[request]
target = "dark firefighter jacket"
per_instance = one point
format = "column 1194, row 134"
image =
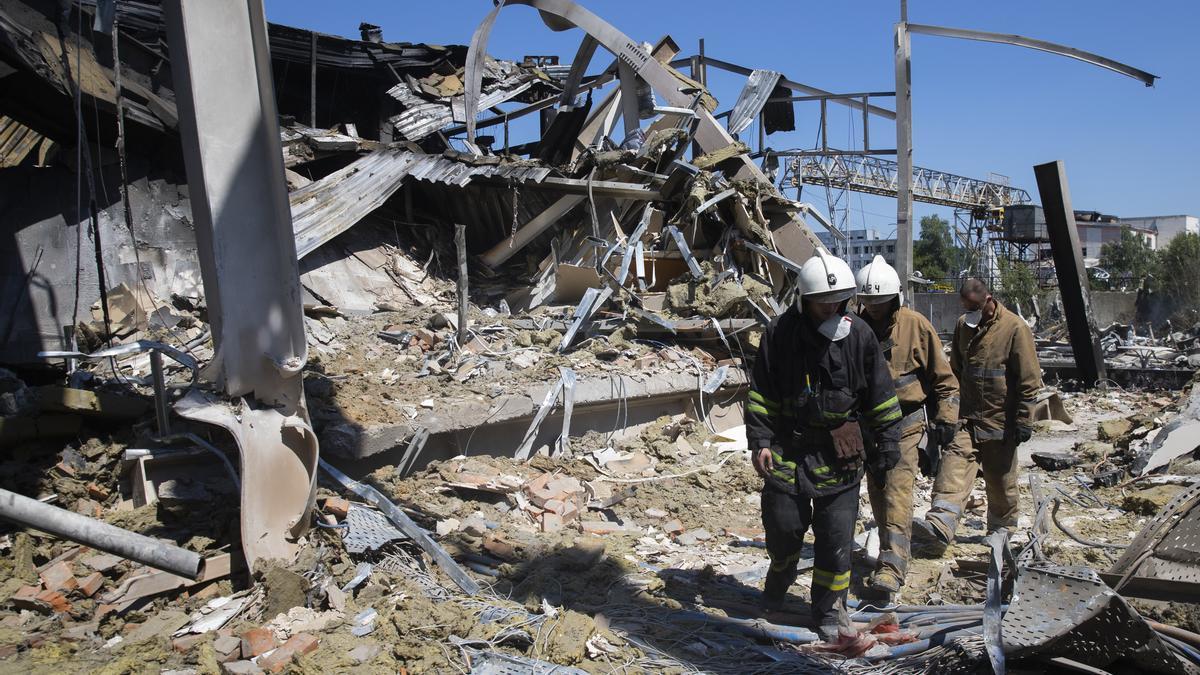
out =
column 802, row 386
column 998, row 372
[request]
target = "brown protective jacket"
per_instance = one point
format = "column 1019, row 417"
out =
column 920, row 373
column 997, row 366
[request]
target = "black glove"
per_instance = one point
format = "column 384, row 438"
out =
column 938, row 436
column 887, row 456
column 942, row 434
column 1024, row 433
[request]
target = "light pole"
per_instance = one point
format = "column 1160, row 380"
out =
column 903, row 54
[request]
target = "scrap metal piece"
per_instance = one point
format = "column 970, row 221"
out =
column 278, row 454
column 526, row 446
column 99, row 535
column 991, row 610
column 487, row 662
column 368, row 530
column 773, row 256
column 752, row 98
column 407, row 526
column 716, row 379
column 714, row 200
column 681, row 242
column 593, row 299
column 1166, row 547
column 361, row 574
column 568, row 380
column 1069, row 612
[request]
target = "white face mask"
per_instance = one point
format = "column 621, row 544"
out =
column 835, row 327
column 972, row 319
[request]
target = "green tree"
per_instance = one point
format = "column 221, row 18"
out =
column 933, row 251
column 1017, row 284
column 1129, row 259
column 1179, row 279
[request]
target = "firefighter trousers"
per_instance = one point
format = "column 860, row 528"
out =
column 961, row 463
column 786, row 517
column 892, row 504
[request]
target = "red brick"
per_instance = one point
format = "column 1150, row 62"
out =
column 103, row 610
column 26, row 598
column 97, row 492
column 59, row 577
column 257, row 641
column 65, row 469
column 8, row 650
column 56, row 600
column 673, row 527
column 91, row 583
column 500, row 547
column 303, row 644
column 337, row 506
column 299, row 645
column 551, row 522
column 185, row 644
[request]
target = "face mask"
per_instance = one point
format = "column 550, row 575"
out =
column 972, row 319
column 835, row 327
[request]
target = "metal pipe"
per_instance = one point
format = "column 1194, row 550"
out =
column 161, row 412
column 1176, row 632
column 98, row 535
column 460, row 244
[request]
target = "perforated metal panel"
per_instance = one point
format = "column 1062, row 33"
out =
column 1070, row 612
column 1168, row 547
column 368, row 530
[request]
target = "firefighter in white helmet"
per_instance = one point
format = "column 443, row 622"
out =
column 819, row 381
column 928, row 395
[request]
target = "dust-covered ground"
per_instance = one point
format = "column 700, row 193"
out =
column 636, row 555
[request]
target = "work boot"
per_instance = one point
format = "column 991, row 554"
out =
column 885, row 580
column 927, row 540
column 775, row 589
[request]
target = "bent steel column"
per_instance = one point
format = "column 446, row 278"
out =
column 1072, row 275
column 230, row 132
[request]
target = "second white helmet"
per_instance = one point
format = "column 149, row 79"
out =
column 825, row 278
column 878, row 282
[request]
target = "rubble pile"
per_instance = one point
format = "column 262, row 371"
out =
column 524, row 365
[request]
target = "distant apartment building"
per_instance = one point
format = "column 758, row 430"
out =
column 860, row 247
column 1165, row 228
column 1096, row 230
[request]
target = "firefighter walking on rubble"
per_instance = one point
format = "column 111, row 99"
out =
column 819, row 382
column 928, row 392
column 994, row 358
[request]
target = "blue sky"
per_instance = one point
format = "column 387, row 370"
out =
column 978, row 108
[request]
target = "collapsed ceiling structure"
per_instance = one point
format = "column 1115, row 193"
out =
column 620, row 263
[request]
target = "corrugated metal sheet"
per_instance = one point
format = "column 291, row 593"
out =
column 16, row 142
column 754, row 96
column 325, row 208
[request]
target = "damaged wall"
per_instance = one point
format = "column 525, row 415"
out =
column 38, row 229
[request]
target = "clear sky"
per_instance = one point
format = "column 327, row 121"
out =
column 978, row 108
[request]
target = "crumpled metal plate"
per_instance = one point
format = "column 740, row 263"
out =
column 495, row 663
column 1168, row 547
column 1059, row 611
column 368, row 530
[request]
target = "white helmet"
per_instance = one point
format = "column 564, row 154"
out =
column 825, row 278
column 878, row 282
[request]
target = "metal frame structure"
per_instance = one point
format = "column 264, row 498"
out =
column 903, row 69
column 230, row 133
